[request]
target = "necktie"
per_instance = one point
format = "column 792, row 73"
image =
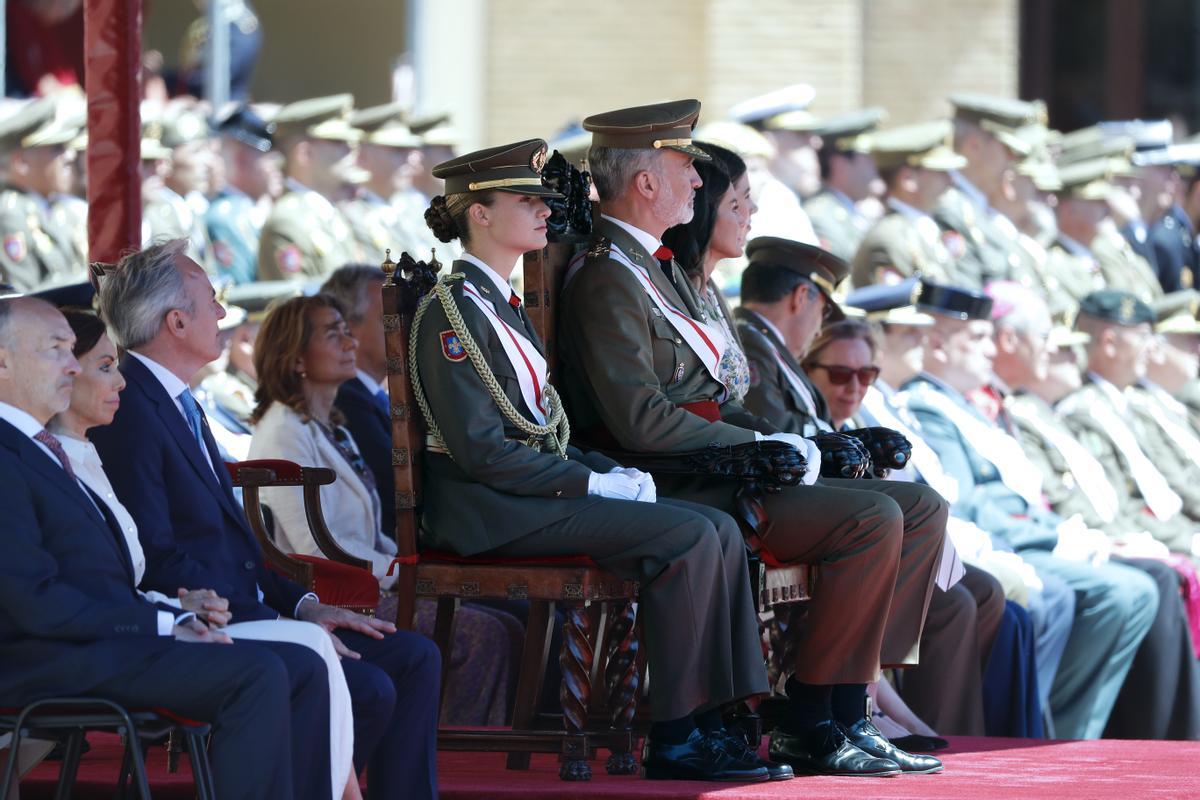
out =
column 664, row 253
column 55, row 446
column 514, row 301
column 384, row 403
column 191, row 412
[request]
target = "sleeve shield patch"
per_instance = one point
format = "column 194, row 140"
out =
column 452, row 347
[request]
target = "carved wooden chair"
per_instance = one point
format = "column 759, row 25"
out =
column 337, row 577
column 600, row 616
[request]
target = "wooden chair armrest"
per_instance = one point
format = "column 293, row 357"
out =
column 250, row 480
column 314, row 479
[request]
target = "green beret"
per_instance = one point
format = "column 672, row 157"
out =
column 1116, row 306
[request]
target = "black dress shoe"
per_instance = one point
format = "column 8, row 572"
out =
column 700, row 758
column 866, row 737
column 825, row 750
column 736, row 746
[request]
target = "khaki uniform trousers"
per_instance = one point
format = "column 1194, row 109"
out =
column 876, row 544
column 695, row 604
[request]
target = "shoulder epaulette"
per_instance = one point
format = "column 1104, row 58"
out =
column 600, row 247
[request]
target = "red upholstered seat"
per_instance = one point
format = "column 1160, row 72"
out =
column 342, row 585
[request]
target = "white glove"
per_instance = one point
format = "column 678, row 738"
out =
column 1078, row 542
column 613, row 485
column 1139, row 544
column 807, row 448
column 647, row 491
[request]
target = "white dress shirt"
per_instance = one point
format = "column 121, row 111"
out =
column 504, row 287
column 646, row 240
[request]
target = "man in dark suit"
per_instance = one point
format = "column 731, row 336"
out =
column 164, row 465
column 364, row 398
column 71, row 621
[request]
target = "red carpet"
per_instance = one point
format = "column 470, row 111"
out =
column 975, row 768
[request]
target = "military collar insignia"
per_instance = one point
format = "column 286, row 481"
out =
column 600, row 247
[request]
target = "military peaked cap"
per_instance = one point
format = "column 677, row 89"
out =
column 655, row 126
column 891, row 304
column 821, row 267
column 515, row 168
column 845, row 131
column 957, row 302
column 241, row 123
column 318, row 118
column 926, row 145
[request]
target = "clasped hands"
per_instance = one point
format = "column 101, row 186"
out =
column 623, row 483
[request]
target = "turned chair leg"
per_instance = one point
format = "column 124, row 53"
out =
column 534, row 655
column 575, row 693
column 622, row 681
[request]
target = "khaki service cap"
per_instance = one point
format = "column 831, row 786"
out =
column 927, row 145
column 661, row 125
column 820, row 266
column 515, row 168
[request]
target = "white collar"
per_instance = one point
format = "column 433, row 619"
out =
column 905, row 209
column 372, row 385
column 1114, row 395
column 1073, row 246
column 169, row 380
column 504, row 286
column 970, row 190
column 646, row 240
column 80, row 450
column 20, row 419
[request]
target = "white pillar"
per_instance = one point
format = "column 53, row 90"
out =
column 448, row 43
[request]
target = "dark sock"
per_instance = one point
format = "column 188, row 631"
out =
column 710, row 721
column 672, row 731
column 848, row 702
column 807, row 707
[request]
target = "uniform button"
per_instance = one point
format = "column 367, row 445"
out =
column 558, row 493
column 679, row 341
column 248, row 565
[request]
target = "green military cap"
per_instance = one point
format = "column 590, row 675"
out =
column 1088, row 180
column 741, row 139
column 1178, row 312
column 375, row 117
column 926, row 145
column 427, row 122
column 394, row 134
column 999, row 116
column 188, row 125
column 318, row 118
column 846, row 132
column 1087, row 144
column 1113, row 305
column 34, row 125
column 821, row 267
column 655, row 126
column 436, row 129
column 515, row 168
column 771, row 105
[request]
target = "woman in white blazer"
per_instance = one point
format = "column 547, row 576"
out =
column 95, row 398
column 303, row 353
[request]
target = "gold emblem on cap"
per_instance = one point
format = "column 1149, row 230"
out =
column 918, row 287
column 538, row 160
column 1127, row 307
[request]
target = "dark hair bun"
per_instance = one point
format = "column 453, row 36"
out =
column 438, row 218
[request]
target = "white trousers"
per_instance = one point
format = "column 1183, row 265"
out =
column 341, row 719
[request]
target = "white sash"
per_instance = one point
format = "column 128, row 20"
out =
column 708, row 342
column 994, row 444
column 1158, row 494
column 1088, row 472
column 1176, row 430
column 798, row 385
column 924, row 460
column 527, row 362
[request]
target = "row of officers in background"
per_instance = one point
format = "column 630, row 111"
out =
column 270, row 192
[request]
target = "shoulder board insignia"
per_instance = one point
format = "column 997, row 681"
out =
column 15, row 247
column 599, row 248
column 452, row 346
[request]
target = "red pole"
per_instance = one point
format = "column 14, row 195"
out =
column 112, row 35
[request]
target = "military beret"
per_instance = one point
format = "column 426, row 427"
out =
column 318, row 118
column 1116, row 306
column 1088, row 180
column 34, row 125
column 1178, row 312
column 891, row 304
column 240, row 122
column 1147, row 134
column 822, row 268
column 926, row 145
column 654, row 126
column 957, row 302
column 515, row 168
column 796, row 97
column 845, row 131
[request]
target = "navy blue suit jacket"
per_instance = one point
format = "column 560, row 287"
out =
column 70, row 617
column 193, row 531
column 371, row 428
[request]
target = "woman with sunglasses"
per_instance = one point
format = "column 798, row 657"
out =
column 842, row 365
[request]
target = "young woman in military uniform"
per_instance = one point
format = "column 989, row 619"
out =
column 501, row 478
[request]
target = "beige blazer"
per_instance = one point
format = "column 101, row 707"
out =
column 351, row 509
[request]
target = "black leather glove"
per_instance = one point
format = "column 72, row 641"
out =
column 842, row 456
column 889, row 449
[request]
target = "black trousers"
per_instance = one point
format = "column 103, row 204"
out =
column 1160, row 698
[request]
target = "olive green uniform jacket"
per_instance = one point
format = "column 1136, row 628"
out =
column 1122, row 268
column 984, row 250
column 34, row 251
column 772, row 396
column 304, row 236
column 838, row 225
column 895, row 246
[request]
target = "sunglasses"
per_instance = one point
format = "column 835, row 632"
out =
column 840, row 376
